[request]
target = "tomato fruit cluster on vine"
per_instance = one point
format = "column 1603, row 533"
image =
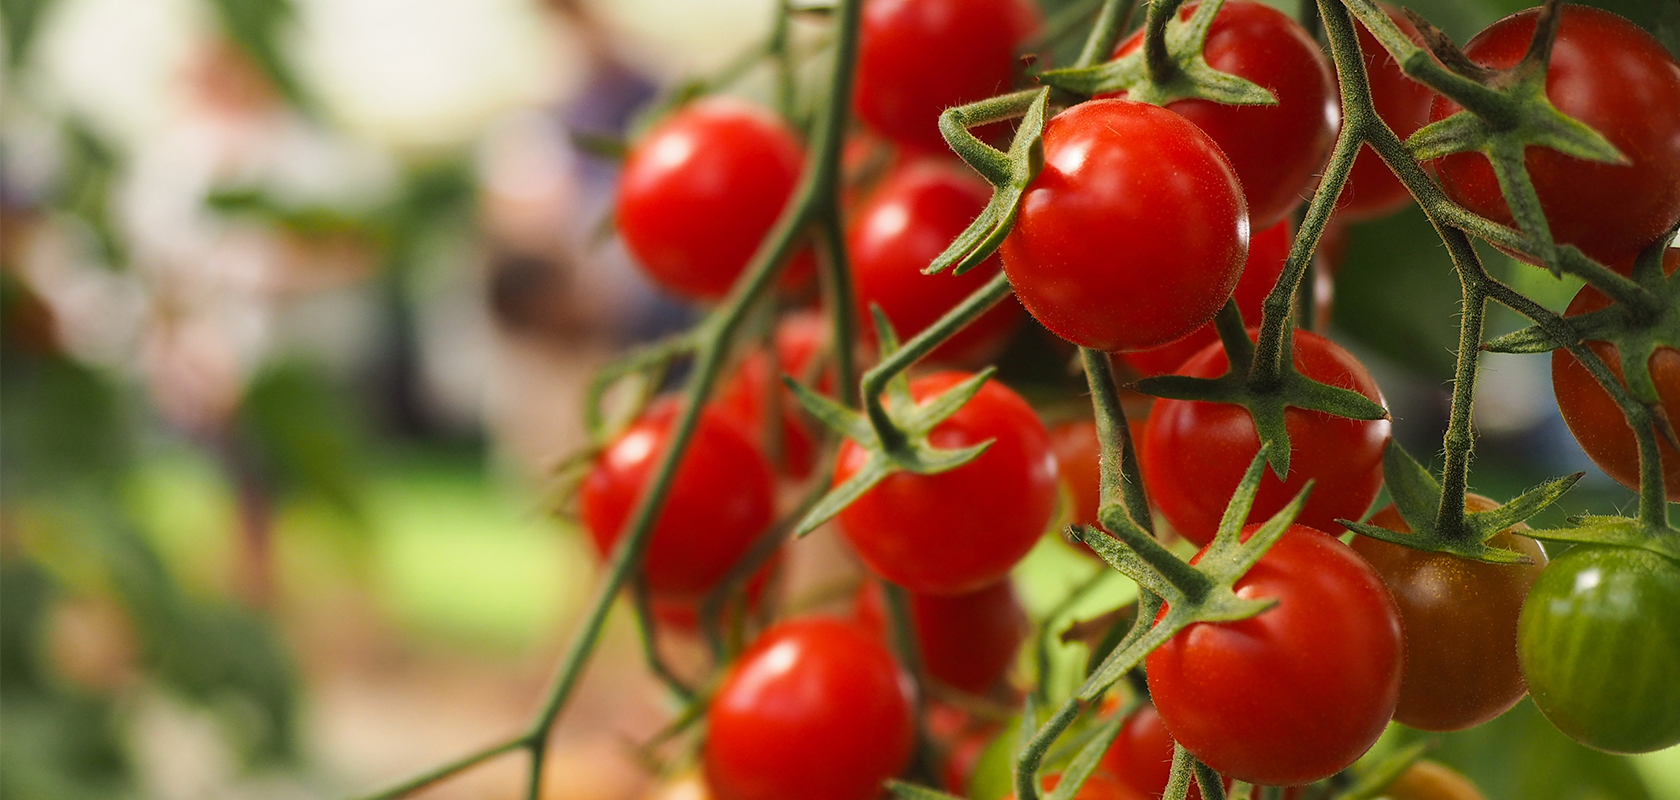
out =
column 1142, row 222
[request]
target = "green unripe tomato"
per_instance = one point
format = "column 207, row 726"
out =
column 1599, row 644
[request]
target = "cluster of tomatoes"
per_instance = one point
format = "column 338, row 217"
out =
column 1141, row 225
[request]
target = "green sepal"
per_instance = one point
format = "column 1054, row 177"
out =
column 1542, row 125
column 1191, row 77
column 911, row 791
column 1370, row 782
column 1613, row 532
column 1086, row 762
column 1009, row 174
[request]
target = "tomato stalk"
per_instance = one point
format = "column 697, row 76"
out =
column 648, row 632
column 1155, row 57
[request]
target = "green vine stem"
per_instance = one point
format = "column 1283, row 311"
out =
column 648, row 629
column 817, row 190
column 1155, row 58
column 1119, row 477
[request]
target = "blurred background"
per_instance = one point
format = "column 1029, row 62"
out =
column 299, row 299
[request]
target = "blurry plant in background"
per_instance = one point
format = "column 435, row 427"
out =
column 298, row 301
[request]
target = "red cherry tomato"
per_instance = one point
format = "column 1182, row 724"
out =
column 1461, row 624
column 1142, row 753
column 960, row 530
column 1135, row 232
column 1079, row 458
column 1195, row 452
column 1277, row 151
column 909, row 220
column 681, row 613
column 815, row 709
column 799, row 338
column 1372, row 190
column 1595, row 419
column 1267, row 253
column 1614, row 77
column 967, row 641
column 917, row 58
column 721, row 500
column 1300, row 691
column 700, row 192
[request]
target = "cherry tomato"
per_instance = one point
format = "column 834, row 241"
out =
column 902, row 227
column 1428, row 780
column 1461, row 624
column 1593, row 416
column 1079, row 458
column 1372, row 190
column 1135, row 232
column 1612, row 76
column 702, row 190
column 960, row 530
column 1096, row 787
column 1142, row 753
column 1300, row 691
column 967, row 641
column 1599, row 643
column 817, row 709
column 799, row 338
column 1276, row 151
column 1268, row 252
column 917, row 58
column 721, row 500
column 681, row 613
column 1195, row 452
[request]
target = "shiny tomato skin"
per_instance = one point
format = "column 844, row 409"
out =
column 917, row 58
column 1599, row 643
column 1298, row 692
column 1195, row 452
column 816, row 708
column 1135, row 232
column 1593, row 416
column 962, row 529
column 1268, row 252
column 906, row 223
column 1612, row 76
column 1372, row 190
column 799, row 339
column 702, row 189
column 721, row 500
column 967, row 641
column 1461, row 624
column 1277, row 151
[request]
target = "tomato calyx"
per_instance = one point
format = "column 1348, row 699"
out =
column 1419, row 499
column 1264, row 396
column 1170, row 66
column 1009, row 173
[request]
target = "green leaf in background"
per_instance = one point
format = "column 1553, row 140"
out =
column 258, row 26
column 21, row 19
column 308, row 438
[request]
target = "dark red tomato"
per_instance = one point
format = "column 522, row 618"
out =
column 917, row 58
column 1372, row 190
column 1461, row 624
column 1267, row 253
column 700, row 192
column 1277, row 151
column 909, row 220
column 1135, row 232
column 1300, row 691
column 1595, row 419
column 1096, row 787
column 1195, row 452
column 1427, row 780
column 815, row 709
column 681, row 613
column 1079, row 458
column 722, row 498
column 744, row 394
column 967, row 641
column 1611, row 75
column 963, row 529
column 1142, row 753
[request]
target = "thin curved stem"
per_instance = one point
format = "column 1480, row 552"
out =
column 1119, row 479
column 1110, row 25
column 441, row 772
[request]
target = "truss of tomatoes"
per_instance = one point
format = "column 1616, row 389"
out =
column 1143, row 222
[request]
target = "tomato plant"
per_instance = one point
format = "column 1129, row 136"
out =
column 1594, row 418
column 799, row 339
column 1277, row 150
column 1461, row 624
column 1194, row 452
column 993, row 508
column 1599, row 644
column 1404, row 105
column 1135, row 232
column 700, row 191
column 917, row 58
column 967, row 641
column 908, row 220
column 721, row 500
column 1609, row 74
column 1242, row 698
column 816, row 708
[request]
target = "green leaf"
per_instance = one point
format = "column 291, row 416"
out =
column 910, row 791
column 836, row 500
